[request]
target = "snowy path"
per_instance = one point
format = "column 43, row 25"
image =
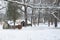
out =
column 42, row 32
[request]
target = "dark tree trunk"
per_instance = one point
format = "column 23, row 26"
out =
column 55, row 22
column 32, row 17
column 14, row 25
column 48, row 22
column 56, row 14
column 25, row 15
column 39, row 18
column 31, row 20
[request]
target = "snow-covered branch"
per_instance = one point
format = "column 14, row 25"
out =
column 55, row 16
column 21, row 3
column 21, row 10
column 35, row 5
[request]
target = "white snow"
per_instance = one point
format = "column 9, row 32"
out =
column 41, row 32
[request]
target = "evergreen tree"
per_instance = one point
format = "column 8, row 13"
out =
column 12, row 12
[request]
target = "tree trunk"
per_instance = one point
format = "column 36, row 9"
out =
column 55, row 22
column 31, row 20
column 39, row 18
column 56, row 19
column 25, row 15
column 48, row 22
column 14, row 25
column 32, row 17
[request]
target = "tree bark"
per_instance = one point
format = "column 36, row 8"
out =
column 14, row 24
column 25, row 15
column 55, row 20
column 48, row 22
column 39, row 18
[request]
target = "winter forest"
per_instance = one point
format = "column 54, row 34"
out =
column 29, row 12
column 30, row 19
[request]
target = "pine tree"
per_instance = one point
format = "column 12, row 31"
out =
column 12, row 13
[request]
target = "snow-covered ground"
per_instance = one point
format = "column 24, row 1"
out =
column 41, row 32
